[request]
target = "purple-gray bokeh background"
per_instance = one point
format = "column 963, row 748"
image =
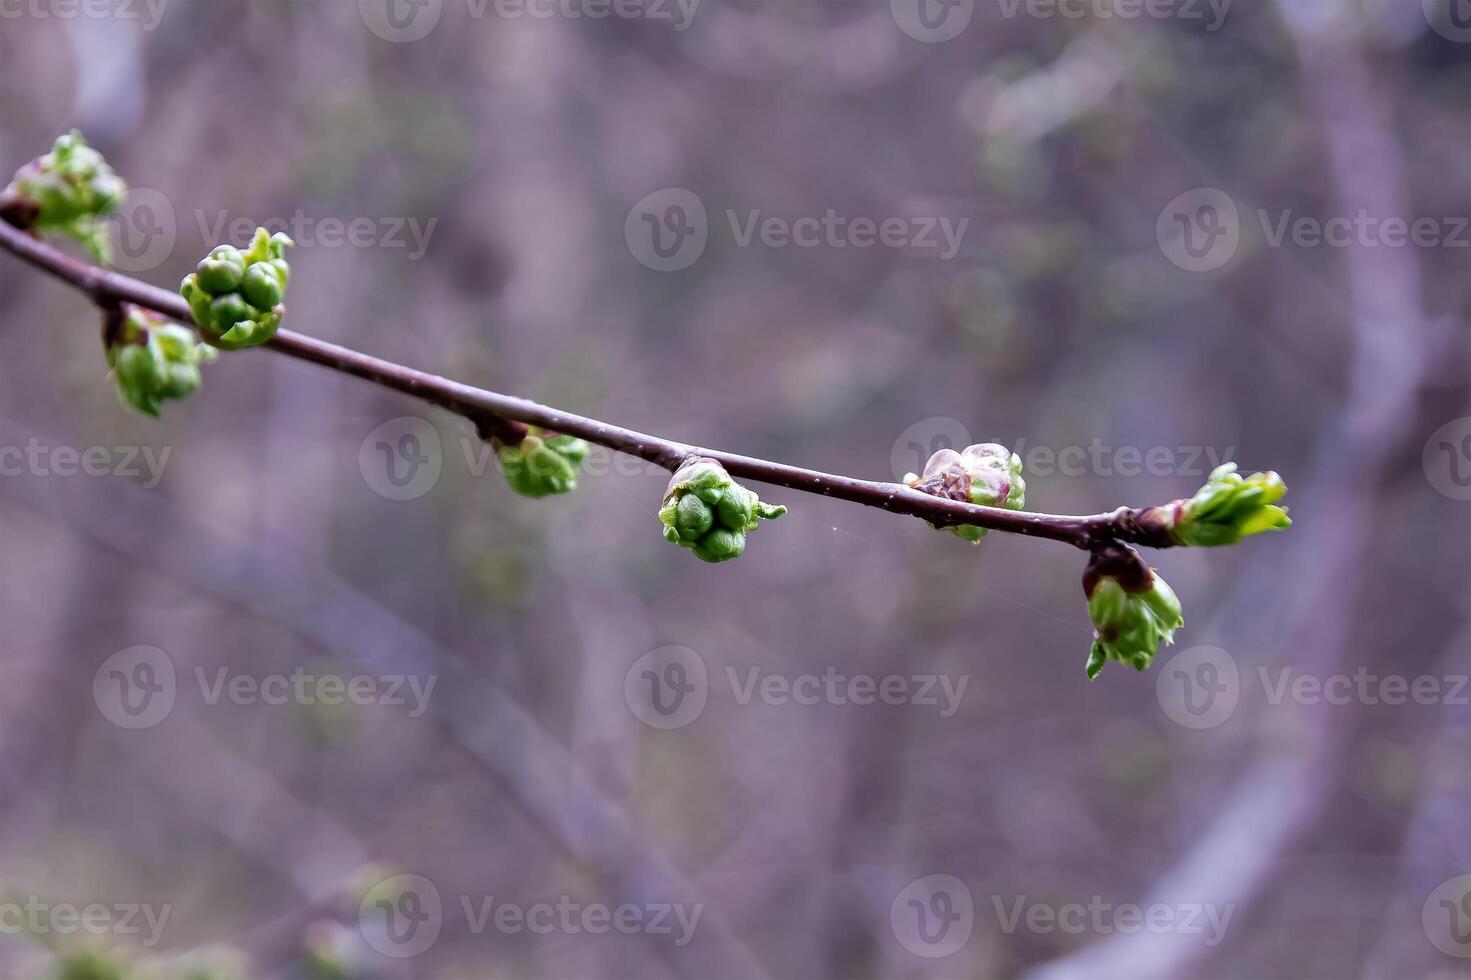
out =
column 1126, row 293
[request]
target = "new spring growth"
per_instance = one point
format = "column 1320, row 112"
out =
column 1132, row 608
column 152, row 360
column 235, row 296
column 69, row 191
column 986, row 474
column 1228, row 508
column 542, row 463
column 708, row 512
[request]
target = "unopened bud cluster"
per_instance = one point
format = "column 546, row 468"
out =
column 709, row 513
column 543, row 463
column 69, row 191
column 235, row 297
column 152, row 360
column 987, row 474
column 1132, row 608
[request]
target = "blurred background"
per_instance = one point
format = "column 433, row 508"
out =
column 294, row 686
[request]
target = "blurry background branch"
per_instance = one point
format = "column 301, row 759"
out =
column 558, row 795
column 1243, row 838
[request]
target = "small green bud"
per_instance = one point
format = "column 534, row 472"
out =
column 70, row 191
column 221, row 271
column 1133, row 609
column 693, row 518
column 736, row 507
column 542, row 463
column 234, row 296
column 181, row 381
column 1228, row 508
column 987, row 474
column 709, row 513
column 179, row 344
column 721, row 544
column 261, row 286
column 228, row 310
column 139, row 377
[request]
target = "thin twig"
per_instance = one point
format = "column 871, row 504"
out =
column 503, row 416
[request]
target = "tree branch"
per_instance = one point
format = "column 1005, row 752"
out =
column 505, row 417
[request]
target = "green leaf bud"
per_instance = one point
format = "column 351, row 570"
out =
column 542, row 463
column 1228, row 508
column 707, row 512
column 1133, row 609
column 987, row 474
column 70, row 191
column 261, row 286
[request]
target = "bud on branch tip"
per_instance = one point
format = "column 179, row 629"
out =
column 1228, row 508
column 70, row 191
column 709, row 513
column 987, row 474
column 234, row 296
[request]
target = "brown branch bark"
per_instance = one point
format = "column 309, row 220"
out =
column 505, row 417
